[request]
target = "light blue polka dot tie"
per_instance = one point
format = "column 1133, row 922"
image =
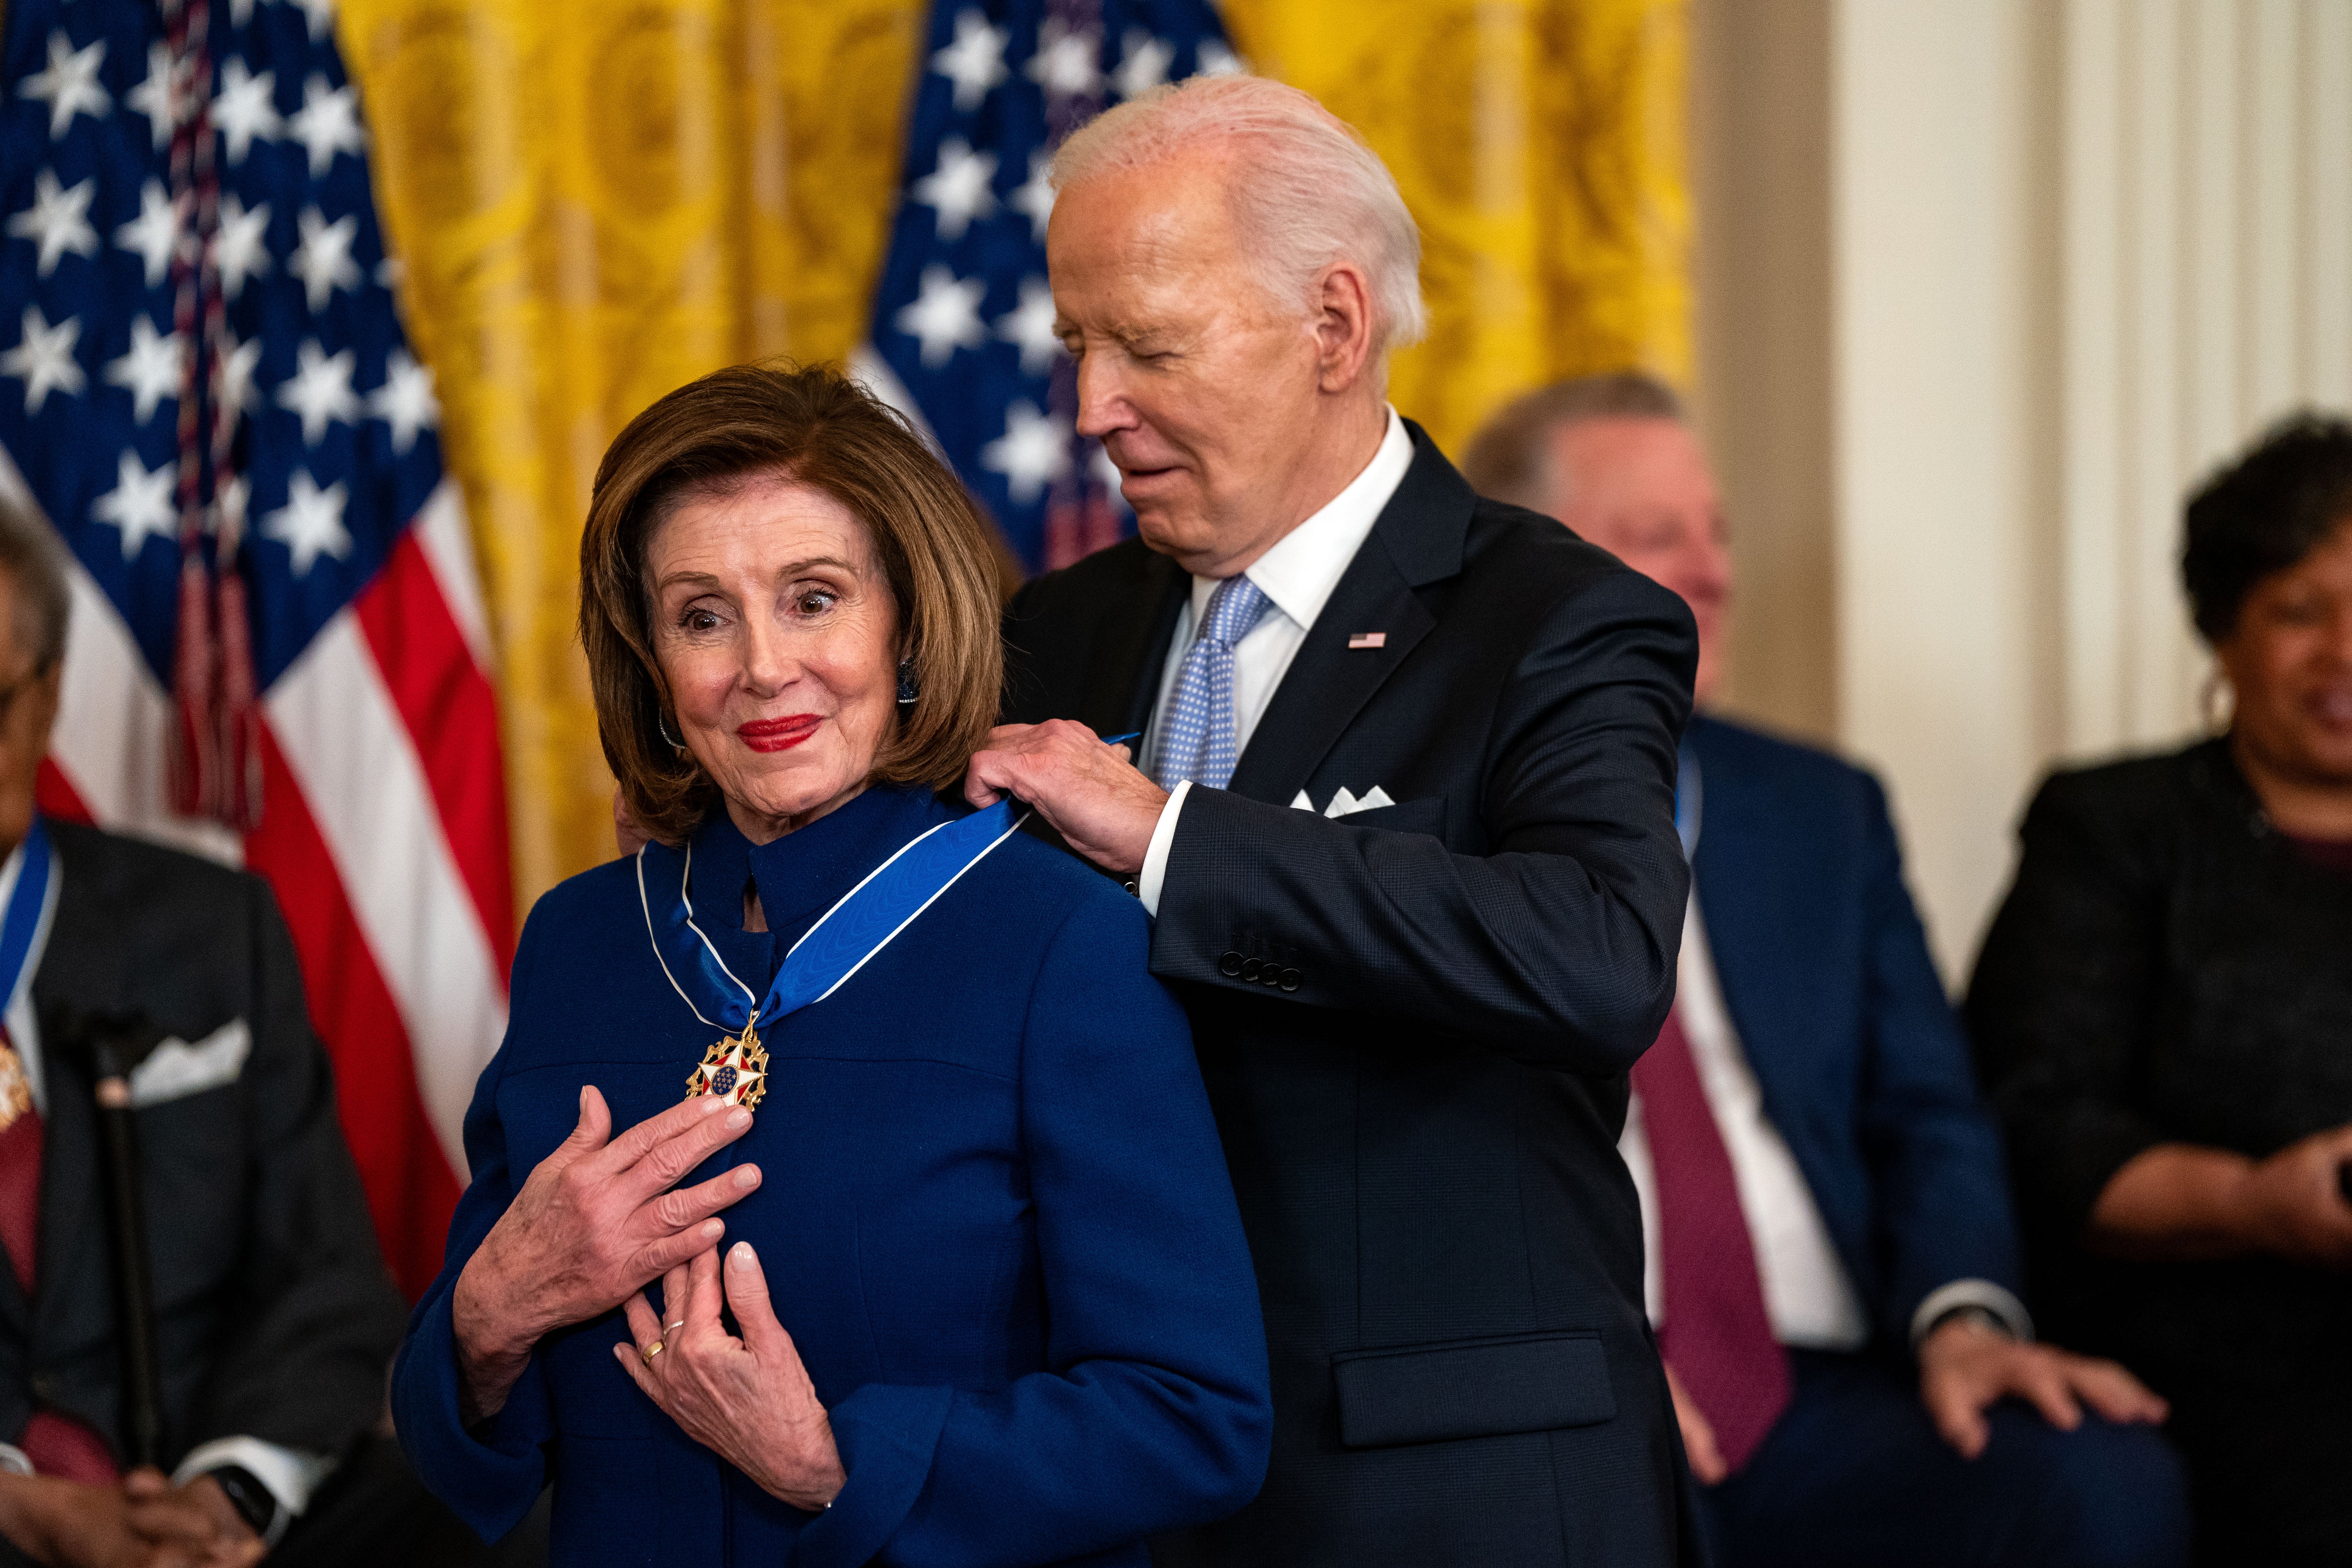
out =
column 1197, row 740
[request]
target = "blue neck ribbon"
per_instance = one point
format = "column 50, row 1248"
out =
column 23, row 918
column 862, row 923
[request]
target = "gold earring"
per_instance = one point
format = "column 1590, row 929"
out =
column 2218, row 700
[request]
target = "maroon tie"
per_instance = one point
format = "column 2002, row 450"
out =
column 1716, row 1333
column 57, row 1444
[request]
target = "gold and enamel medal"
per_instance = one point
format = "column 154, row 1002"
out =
column 735, row 1069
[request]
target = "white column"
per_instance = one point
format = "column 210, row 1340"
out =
column 1942, row 407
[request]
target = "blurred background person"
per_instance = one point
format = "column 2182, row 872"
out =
column 275, row 1319
column 1831, row 1253
column 2163, row 1012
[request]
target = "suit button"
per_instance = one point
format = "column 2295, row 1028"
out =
column 1291, row 979
column 1272, row 974
column 44, row 1388
column 1250, row 967
column 1229, row 964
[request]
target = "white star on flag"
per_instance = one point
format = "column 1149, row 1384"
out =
column 152, row 96
column 975, row 61
column 70, row 84
column 150, row 370
column 58, row 221
column 310, row 523
column 958, row 189
column 244, row 108
column 237, row 365
column 139, row 504
column 241, row 247
column 1066, row 62
column 323, row 259
column 1215, row 59
column 1035, row 200
column 320, row 15
column 1144, row 64
column 406, row 400
column 1033, row 451
column 320, row 390
column 1031, row 325
column 946, row 316
column 151, row 236
column 326, row 123
column 44, row 360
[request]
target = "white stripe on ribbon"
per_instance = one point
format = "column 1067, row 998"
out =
column 350, row 750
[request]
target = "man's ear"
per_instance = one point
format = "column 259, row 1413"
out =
column 1343, row 326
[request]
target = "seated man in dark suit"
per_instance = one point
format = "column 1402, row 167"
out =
column 1832, row 1255
column 275, row 1319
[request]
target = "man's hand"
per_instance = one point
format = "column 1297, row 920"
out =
column 64, row 1524
column 1965, row 1368
column 1698, row 1436
column 195, row 1525
column 1090, row 793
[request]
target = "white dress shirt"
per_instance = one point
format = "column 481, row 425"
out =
column 1298, row 574
column 290, row 1474
column 1807, row 1295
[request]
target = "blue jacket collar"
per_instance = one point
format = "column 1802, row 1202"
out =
column 805, row 872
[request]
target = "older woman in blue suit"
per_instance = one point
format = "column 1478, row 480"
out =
column 917, row 1246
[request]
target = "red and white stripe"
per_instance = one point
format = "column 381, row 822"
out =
column 383, row 834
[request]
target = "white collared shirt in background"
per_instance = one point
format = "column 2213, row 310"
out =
column 1807, row 1295
column 1299, row 575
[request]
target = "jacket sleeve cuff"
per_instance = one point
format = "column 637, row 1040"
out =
column 1946, row 1300
column 886, row 1436
column 1155, row 857
column 489, row 1476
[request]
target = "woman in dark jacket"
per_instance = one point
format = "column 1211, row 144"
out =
column 2163, row 1011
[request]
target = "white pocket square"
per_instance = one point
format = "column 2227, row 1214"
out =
column 1343, row 803
column 175, row 1070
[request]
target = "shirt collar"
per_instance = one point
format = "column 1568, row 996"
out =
column 1305, row 565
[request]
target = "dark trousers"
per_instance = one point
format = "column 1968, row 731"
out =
column 1855, row 1474
column 373, row 1512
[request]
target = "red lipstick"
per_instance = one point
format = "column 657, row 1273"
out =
column 778, row 734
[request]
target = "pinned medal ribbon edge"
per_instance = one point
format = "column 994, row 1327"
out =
column 644, row 904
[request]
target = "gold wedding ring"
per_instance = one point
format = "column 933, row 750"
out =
column 650, row 1351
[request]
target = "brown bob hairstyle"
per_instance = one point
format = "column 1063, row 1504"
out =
column 818, row 428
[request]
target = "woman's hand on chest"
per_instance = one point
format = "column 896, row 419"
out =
column 598, row 1219
column 748, row 1400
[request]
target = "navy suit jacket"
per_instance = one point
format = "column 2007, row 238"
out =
column 1864, row 1070
column 994, row 1218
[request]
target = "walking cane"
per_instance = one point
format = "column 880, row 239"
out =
column 116, row 1044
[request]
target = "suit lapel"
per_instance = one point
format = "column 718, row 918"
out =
column 1328, row 682
column 1417, row 541
column 1123, row 682
column 81, row 967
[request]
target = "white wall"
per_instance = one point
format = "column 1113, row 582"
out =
column 2077, row 252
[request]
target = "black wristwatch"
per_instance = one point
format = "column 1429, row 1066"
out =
column 254, row 1503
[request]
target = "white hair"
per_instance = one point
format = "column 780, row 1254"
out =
column 1306, row 192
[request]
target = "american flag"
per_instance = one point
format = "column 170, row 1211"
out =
column 278, row 654
column 963, row 322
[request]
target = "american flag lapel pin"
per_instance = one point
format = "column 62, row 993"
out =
column 1367, row 639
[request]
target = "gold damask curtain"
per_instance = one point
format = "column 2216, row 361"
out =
column 595, row 201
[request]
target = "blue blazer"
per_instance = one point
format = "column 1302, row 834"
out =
column 996, row 1217
column 1862, row 1064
